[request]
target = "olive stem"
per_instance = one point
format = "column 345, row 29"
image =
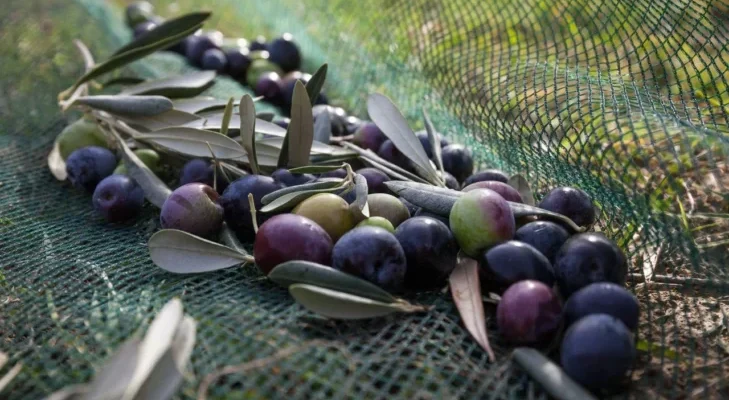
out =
column 215, row 167
column 252, row 204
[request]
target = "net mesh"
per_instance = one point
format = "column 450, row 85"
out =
column 627, row 100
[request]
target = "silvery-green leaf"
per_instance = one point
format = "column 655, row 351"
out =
column 233, row 171
column 184, row 342
column 3, row 359
column 440, row 201
column 115, row 375
column 248, row 130
column 323, row 128
column 466, row 290
column 310, row 273
column 183, row 253
column 180, row 86
column 127, row 105
column 166, row 30
column 300, row 133
column 227, row 114
column 155, row 191
column 321, row 159
column 194, row 142
column 387, row 167
column 521, row 185
column 549, row 375
column 231, row 240
column 360, row 202
column 5, row 380
column 266, row 116
column 390, row 120
column 334, row 304
column 291, row 200
column 167, row 119
column 86, row 54
column 215, row 122
column 156, row 343
column 315, row 169
column 313, row 87
column 267, row 199
column 163, row 381
column 389, row 172
column 317, row 148
column 55, row 162
column 434, row 139
column 200, row 104
column 73, row 392
column 175, row 30
column 123, row 81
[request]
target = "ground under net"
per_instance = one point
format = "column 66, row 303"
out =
column 627, row 100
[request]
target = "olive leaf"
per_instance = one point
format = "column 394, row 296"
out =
column 194, row 143
column 180, row 86
column 389, row 172
column 291, row 200
column 155, row 191
column 226, row 117
column 435, row 144
column 248, row 130
column 231, row 240
column 440, row 201
column 121, row 59
column 156, row 342
column 384, row 165
column 338, row 305
column 466, row 290
column 183, row 253
column 82, row 89
column 7, row 378
column 315, row 169
column 360, row 201
column 232, row 170
column 166, row 30
column 56, row 164
column 300, row 133
column 85, row 53
column 323, row 128
column 127, row 105
column 266, row 116
column 215, row 122
column 333, row 182
column 148, row 369
column 521, row 185
column 549, row 375
column 310, row 273
column 200, row 104
column 122, row 81
column 390, row 120
column 316, row 82
column 317, row 148
column 115, row 375
column 167, row 119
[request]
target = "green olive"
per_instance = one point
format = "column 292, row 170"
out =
column 82, row 133
column 149, row 157
column 378, row 222
column 388, row 207
column 258, row 68
column 329, row 211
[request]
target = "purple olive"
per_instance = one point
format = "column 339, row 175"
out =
column 287, row 237
column 118, row 198
column 369, row 136
column 504, row 190
column 375, row 180
column 193, row 208
column 529, row 313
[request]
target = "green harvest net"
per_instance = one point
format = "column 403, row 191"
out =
column 627, row 100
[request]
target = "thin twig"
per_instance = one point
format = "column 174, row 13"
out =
column 255, row 364
column 682, row 281
column 252, row 204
